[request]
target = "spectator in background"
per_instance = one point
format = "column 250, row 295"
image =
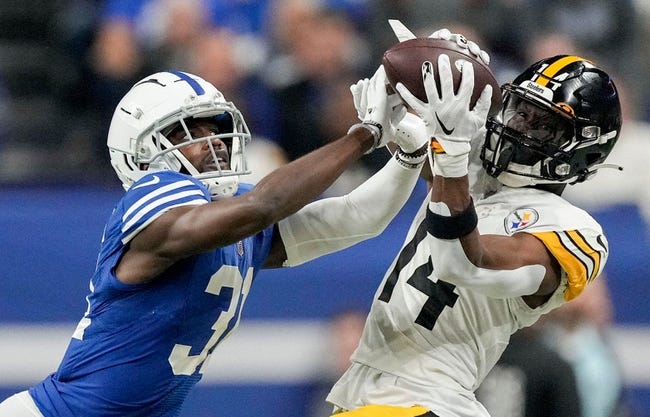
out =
column 578, row 332
column 612, row 30
column 499, row 26
column 530, row 380
column 138, row 37
column 130, row 30
column 345, row 329
column 605, row 27
column 220, row 56
column 546, row 43
column 319, row 54
column 117, row 55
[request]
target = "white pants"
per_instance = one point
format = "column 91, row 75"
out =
column 19, row 405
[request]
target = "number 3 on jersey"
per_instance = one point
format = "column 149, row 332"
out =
column 440, row 294
column 227, row 277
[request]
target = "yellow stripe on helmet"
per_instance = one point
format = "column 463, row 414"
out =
column 553, row 69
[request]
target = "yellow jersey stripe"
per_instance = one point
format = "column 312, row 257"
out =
column 552, row 70
column 576, row 269
column 584, row 246
column 376, row 410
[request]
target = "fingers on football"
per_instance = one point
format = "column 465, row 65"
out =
column 482, row 106
column 446, row 77
column 466, row 87
column 429, row 82
column 478, row 52
column 412, row 101
column 443, row 33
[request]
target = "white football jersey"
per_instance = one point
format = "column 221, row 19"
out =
column 430, row 343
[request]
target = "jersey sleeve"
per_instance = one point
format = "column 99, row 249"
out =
column 581, row 254
column 153, row 195
column 571, row 235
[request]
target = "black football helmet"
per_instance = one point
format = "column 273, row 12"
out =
column 561, row 118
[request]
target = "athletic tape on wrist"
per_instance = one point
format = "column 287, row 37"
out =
column 450, row 166
column 452, row 227
column 374, row 128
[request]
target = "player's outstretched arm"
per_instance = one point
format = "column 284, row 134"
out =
column 187, row 230
column 335, row 223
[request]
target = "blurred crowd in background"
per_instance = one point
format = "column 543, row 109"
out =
column 287, row 64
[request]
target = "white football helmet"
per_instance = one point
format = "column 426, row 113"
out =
column 156, row 104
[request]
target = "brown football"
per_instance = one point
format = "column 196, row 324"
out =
column 403, row 63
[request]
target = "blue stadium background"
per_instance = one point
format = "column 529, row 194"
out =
column 49, row 238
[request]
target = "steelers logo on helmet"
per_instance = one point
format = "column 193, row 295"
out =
column 555, row 127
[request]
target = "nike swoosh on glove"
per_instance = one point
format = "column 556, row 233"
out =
column 447, row 115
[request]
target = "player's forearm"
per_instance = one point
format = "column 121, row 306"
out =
column 332, row 224
column 454, row 192
column 459, row 257
column 451, row 264
column 290, row 187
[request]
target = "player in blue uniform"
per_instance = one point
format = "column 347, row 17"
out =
column 182, row 247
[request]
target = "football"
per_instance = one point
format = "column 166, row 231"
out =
column 403, row 63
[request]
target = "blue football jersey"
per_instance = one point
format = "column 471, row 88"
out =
column 139, row 349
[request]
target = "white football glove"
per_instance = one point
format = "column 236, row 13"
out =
column 410, row 134
column 359, row 96
column 447, row 116
column 462, row 41
column 375, row 107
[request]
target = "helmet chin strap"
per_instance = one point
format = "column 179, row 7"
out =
column 221, row 188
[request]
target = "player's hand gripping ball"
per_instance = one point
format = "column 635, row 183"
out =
column 403, row 63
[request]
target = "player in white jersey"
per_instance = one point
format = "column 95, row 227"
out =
column 487, row 256
column 183, row 245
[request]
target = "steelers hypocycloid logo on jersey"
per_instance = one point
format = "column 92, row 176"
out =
column 520, row 219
